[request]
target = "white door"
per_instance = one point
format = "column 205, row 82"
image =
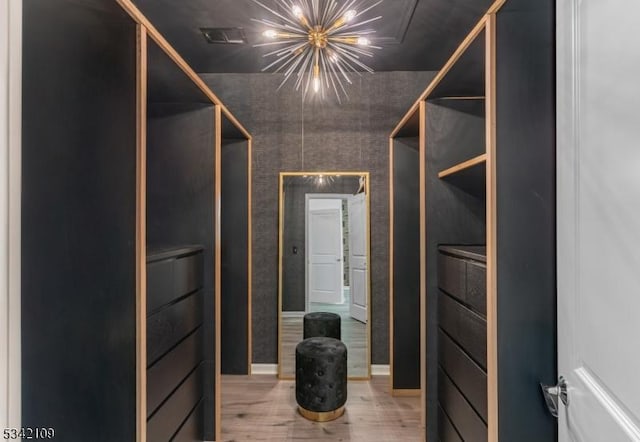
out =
column 324, row 251
column 598, row 155
column 358, row 279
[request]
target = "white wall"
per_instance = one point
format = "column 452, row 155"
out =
column 10, row 166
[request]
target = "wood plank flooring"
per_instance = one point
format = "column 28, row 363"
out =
column 262, row 408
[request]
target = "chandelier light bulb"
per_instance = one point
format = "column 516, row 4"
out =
column 350, row 15
column 270, row 33
column 316, row 85
column 297, row 12
column 363, row 41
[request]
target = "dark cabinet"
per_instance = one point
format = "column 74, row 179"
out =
column 462, row 343
column 175, row 343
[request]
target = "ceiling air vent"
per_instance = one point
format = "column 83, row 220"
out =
column 225, row 36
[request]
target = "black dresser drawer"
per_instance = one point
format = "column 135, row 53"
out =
column 462, row 343
column 175, row 356
column 463, row 275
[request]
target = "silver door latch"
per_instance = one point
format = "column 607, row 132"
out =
column 551, row 394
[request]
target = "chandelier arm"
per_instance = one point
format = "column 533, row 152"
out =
column 341, row 11
column 297, row 49
column 346, row 61
column 289, row 71
column 312, row 67
column 364, row 11
column 280, row 60
column 357, row 25
column 274, row 43
column 339, row 63
column 284, row 65
column 327, row 11
column 303, row 69
column 285, row 27
column 337, row 77
column 354, row 49
column 277, row 14
column 323, row 62
column 287, row 74
column 349, row 57
column 335, row 89
column 281, row 51
column 327, row 74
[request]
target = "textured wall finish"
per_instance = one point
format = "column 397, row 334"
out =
column 292, row 136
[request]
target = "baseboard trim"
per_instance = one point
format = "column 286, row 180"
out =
column 406, row 392
column 292, row 314
column 264, row 369
column 380, row 370
column 272, row 369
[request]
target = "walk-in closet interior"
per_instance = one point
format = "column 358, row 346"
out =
column 162, row 301
column 486, row 165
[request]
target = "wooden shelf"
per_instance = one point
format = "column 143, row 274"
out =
column 480, row 159
column 470, row 175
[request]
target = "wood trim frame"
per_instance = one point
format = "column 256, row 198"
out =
column 464, row 165
column 495, row 7
column 280, row 245
column 478, row 28
column 137, row 16
column 423, row 253
column 423, row 259
column 141, row 234
column 218, row 269
column 249, row 255
column 491, row 223
column 391, row 262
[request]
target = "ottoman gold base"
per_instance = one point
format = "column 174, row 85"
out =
column 321, row 416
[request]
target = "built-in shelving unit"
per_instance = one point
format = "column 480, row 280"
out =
column 122, row 157
column 484, row 140
column 469, row 175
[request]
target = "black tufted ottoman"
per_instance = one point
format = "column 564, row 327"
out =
column 321, row 378
column 321, row 324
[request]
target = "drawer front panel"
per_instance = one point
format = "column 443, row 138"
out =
column 168, row 419
column 170, row 325
column 466, row 374
column 476, row 296
column 465, row 327
column 446, row 430
column 165, row 375
column 462, row 415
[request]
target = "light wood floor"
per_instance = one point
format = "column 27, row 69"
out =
column 264, row 408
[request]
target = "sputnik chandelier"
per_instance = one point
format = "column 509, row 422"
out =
column 320, row 42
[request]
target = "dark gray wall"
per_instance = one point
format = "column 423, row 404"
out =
column 353, row 136
column 79, row 220
column 293, row 268
column 526, row 213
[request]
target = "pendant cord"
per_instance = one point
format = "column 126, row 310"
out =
column 302, row 136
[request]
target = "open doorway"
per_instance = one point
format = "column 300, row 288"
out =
column 334, row 228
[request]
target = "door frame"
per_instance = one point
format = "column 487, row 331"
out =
column 317, row 196
column 10, row 214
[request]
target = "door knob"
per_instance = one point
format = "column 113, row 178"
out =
column 552, row 393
